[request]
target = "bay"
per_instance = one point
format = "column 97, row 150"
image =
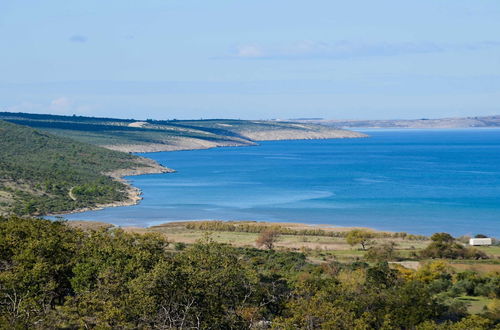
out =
column 418, row 181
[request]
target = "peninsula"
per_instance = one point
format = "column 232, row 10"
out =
column 131, row 135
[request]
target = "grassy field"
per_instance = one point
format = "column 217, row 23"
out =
column 475, row 305
column 317, row 248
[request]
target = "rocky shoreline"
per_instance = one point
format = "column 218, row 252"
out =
column 149, row 166
column 182, row 144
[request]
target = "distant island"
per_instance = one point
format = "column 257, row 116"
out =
column 57, row 164
column 464, row 122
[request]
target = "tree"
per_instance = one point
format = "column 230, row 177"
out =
column 202, row 286
column 443, row 245
column 36, row 257
column 379, row 299
column 442, row 238
column 359, row 236
column 267, row 238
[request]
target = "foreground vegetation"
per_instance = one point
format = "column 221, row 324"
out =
column 56, row 276
column 42, row 173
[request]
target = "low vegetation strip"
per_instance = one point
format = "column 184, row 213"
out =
column 256, row 227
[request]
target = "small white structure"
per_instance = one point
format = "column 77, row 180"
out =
column 480, row 241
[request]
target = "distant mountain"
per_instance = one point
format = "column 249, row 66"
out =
column 468, row 122
column 156, row 135
column 43, row 173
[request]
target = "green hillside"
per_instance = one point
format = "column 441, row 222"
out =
column 38, row 171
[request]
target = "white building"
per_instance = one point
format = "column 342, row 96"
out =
column 480, row 241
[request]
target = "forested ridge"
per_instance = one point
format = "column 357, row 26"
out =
column 53, row 276
column 38, row 171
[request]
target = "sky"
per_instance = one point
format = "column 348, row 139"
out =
column 251, row 59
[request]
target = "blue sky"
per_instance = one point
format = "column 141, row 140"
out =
column 256, row 59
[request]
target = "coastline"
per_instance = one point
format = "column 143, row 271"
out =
column 152, row 167
column 186, row 144
column 392, row 218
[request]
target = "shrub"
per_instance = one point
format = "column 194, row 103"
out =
column 267, row 238
column 179, row 246
column 382, row 252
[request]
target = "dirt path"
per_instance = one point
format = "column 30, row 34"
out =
column 70, row 193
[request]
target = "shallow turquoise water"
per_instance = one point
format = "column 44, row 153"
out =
column 420, row 181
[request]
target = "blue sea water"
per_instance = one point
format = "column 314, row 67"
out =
column 419, row 181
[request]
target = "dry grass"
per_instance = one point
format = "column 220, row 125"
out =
column 477, row 267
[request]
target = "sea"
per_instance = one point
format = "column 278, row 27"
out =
column 416, row 181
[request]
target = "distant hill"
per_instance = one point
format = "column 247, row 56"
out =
column 155, row 135
column 467, row 122
column 43, row 173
